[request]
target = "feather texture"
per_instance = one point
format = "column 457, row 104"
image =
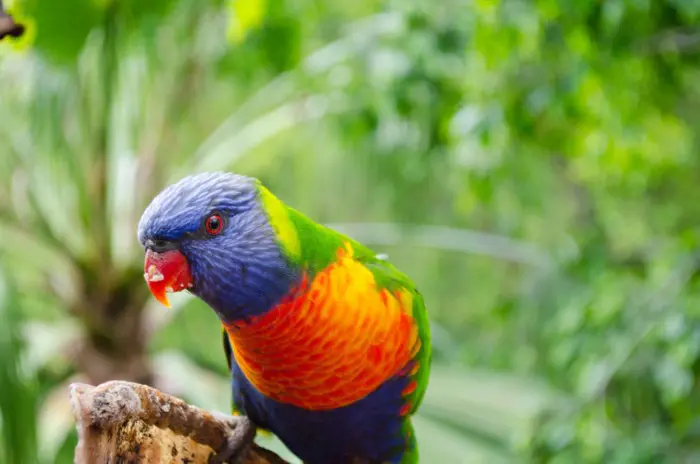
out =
column 333, row 341
column 339, row 365
column 328, row 344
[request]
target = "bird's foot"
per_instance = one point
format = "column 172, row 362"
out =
column 241, row 433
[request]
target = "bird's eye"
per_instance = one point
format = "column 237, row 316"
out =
column 214, row 224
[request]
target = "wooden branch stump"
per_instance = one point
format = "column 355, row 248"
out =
column 132, row 423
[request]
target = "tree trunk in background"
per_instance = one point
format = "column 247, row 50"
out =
column 115, row 344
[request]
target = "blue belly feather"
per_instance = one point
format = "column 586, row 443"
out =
column 369, row 429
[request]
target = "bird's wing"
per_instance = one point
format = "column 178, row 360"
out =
column 387, row 276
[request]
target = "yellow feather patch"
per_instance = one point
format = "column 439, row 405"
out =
column 279, row 219
column 406, row 299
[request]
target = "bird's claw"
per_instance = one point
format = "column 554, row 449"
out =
column 240, row 434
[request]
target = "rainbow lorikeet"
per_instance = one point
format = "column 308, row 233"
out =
column 328, row 344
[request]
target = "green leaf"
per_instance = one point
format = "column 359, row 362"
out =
column 61, row 27
column 494, row 406
column 19, row 398
column 244, row 16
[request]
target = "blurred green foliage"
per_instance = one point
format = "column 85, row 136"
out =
column 18, row 402
column 532, row 164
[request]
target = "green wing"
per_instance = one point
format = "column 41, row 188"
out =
column 312, row 247
column 318, row 247
column 387, row 276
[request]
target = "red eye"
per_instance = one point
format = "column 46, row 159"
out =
column 214, row 224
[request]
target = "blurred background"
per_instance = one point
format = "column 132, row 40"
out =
column 532, row 164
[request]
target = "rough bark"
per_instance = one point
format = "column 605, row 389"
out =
column 132, row 423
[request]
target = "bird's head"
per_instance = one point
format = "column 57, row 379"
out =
column 211, row 234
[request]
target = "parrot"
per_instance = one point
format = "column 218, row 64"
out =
column 327, row 343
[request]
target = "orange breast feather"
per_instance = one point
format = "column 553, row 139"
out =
column 332, row 343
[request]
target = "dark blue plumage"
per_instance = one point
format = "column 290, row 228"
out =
column 240, row 273
column 369, row 426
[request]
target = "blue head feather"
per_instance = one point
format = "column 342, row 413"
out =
column 241, row 272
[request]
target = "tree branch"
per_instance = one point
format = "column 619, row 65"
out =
column 8, row 26
column 128, row 422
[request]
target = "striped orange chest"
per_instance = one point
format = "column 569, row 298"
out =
column 330, row 344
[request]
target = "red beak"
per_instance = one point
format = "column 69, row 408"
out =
column 166, row 272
